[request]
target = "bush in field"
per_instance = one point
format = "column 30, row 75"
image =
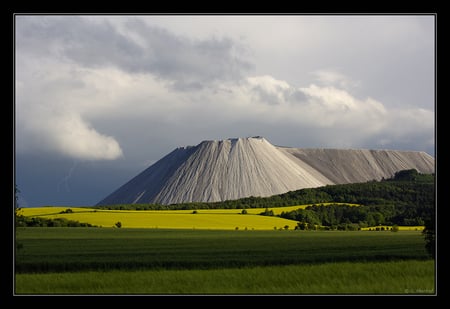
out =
column 394, row 228
column 118, row 224
column 301, row 226
column 244, row 211
column 267, row 212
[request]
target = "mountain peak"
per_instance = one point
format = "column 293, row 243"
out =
column 236, row 139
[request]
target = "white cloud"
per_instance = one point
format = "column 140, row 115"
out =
column 334, row 78
column 65, row 133
column 313, row 106
column 72, row 136
column 52, row 101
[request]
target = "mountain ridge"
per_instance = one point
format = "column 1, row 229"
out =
column 217, row 170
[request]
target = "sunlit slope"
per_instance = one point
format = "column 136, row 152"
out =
column 220, row 219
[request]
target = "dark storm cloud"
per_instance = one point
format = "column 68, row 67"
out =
column 138, row 48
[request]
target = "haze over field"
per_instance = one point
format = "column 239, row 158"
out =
column 100, row 98
column 242, row 167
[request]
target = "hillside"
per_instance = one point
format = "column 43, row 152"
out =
column 231, row 169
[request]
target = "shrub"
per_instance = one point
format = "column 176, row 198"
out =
column 267, row 212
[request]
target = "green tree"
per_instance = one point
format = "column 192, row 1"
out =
column 267, row 212
column 430, row 237
column 16, row 198
column 301, row 226
column 409, row 175
column 378, row 218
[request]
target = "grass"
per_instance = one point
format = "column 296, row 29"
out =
column 173, row 261
column 76, row 249
column 395, row 277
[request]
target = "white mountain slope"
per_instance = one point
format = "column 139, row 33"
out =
column 235, row 168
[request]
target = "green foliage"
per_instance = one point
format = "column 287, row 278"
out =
column 408, row 175
column 244, row 211
column 430, row 237
column 267, row 212
column 67, row 211
column 22, row 221
column 118, row 224
column 389, row 202
column 343, row 216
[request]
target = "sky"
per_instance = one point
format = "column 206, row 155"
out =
column 99, row 98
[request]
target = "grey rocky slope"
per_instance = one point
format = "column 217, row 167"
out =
column 235, row 168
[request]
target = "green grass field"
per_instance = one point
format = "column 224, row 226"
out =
column 68, row 249
column 396, row 277
column 157, row 261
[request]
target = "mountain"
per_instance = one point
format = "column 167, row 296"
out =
column 242, row 167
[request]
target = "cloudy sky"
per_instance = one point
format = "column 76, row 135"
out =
column 100, row 98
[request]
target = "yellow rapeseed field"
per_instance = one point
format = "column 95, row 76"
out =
column 220, row 219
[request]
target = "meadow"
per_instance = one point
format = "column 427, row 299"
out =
column 343, row 278
column 157, row 261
